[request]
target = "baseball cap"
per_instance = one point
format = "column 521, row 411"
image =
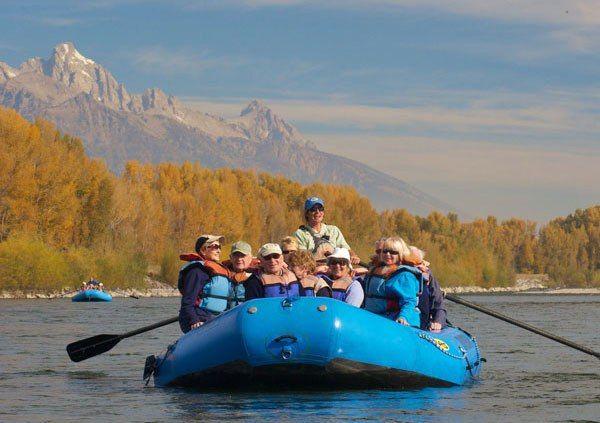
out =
column 207, row 239
column 341, row 253
column 313, row 201
column 269, row 249
column 241, row 247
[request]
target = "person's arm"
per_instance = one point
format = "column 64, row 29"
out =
column 355, row 295
column 254, row 288
column 324, row 292
column 338, row 238
column 438, row 308
column 194, row 284
column 303, row 237
column 405, row 287
column 340, row 242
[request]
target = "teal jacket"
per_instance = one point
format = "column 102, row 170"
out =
column 404, row 287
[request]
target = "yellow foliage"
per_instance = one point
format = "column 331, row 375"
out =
column 86, row 220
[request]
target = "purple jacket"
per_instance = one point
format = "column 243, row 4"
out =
column 431, row 303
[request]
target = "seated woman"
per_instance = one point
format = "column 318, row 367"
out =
column 391, row 288
column 303, row 264
column 204, row 284
column 339, row 278
column 273, row 279
column 288, row 245
column 431, row 299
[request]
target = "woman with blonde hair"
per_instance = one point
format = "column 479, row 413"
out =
column 391, row 288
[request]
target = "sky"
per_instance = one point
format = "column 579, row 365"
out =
column 493, row 107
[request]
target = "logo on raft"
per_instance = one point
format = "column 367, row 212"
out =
column 441, row 344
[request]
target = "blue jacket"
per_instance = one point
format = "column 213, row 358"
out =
column 190, row 313
column 403, row 287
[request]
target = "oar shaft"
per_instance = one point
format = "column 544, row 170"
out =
column 149, row 327
column 522, row 325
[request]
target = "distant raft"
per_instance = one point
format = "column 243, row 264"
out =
column 91, row 295
column 314, row 343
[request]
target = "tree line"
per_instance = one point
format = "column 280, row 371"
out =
column 65, row 217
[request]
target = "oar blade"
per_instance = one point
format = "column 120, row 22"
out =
column 91, row 347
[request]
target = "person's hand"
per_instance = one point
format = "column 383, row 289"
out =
column 322, row 269
column 402, row 321
column 354, row 259
column 196, row 325
column 435, row 326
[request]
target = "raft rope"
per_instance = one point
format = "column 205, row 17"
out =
column 432, row 340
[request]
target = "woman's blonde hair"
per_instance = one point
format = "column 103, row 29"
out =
column 289, row 241
column 397, row 244
column 302, row 258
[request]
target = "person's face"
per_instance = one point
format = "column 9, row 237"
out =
column 212, row 251
column 299, row 271
column 272, row 263
column 338, row 268
column 389, row 256
column 240, row 261
column 287, row 251
column 315, row 214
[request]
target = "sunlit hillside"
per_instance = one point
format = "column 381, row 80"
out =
column 65, row 217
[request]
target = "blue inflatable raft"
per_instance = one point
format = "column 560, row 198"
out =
column 314, row 343
column 91, row 295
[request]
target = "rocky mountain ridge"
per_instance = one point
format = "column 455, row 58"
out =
column 86, row 100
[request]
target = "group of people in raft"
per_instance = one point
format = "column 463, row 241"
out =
column 315, row 261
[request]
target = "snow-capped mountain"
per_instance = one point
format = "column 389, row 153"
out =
column 85, row 99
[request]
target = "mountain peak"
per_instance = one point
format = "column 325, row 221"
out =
column 67, row 53
column 257, row 107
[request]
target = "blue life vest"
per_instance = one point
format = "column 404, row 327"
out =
column 217, row 292
column 312, row 284
column 284, row 285
column 377, row 299
column 238, row 294
column 339, row 287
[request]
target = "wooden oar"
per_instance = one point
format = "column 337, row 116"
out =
column 91, row 347
column 520, row 324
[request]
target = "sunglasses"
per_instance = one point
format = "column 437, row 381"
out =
column 333, row 262
column 288, row 251
column 274, row 256
column 316, row 209
column 214, row 247
column 392, row 252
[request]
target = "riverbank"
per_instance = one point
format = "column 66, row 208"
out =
column 157, row 289
column 153, row 288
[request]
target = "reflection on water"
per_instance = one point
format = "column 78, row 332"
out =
column 526, row 378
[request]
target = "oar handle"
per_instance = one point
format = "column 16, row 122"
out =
column 149, row 327
column 520, row 324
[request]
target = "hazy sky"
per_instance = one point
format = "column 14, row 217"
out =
column 493, row 106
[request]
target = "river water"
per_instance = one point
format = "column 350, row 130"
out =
column 526, row 377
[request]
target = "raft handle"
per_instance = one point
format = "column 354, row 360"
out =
column 282, row 337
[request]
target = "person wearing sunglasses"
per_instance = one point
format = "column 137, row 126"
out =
column 242, row 264
column 205, row 285
column 273, row 279
column 315, row 232
column 391, row 288
column 288, row 245
column 339, row 278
